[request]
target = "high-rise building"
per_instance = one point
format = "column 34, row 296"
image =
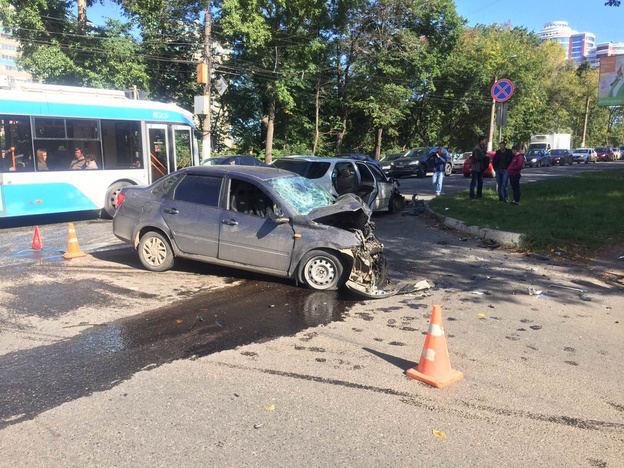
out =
column 579, row 46
column 9, row 51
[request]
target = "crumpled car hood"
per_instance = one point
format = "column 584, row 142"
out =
column 347, row 213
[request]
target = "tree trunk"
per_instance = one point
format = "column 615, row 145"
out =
column 316, row 116
column 82, row 15
column 378, row 134
column 270, row 126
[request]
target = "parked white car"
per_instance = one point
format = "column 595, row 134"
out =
column 584, row 155
column 339, row 176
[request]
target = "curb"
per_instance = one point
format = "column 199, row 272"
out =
column 511, row 239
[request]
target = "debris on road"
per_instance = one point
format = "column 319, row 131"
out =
column 258, row 426
column 566, row 287
column 419, row 208
column 582, row 297
column 270, row 408
column 533, row 292
column 422, row 285
column 439, row 434
column 478, row 293
column 488, row 244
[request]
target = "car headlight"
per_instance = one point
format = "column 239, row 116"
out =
column 414, row 163
column 533, row 160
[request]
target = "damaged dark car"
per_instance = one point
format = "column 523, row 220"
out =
column 259, row 219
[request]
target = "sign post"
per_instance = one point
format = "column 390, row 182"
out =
column 502, row 90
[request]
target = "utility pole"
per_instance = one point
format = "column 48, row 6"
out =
column 82, row 16
column 585, row 124
column 207, row 134
column 492, row 116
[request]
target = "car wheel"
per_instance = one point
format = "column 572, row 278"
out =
column 321, row 270
column 421, row 172
column 397, row 203
column 155, row 252
column 111, row 197
column 466, row 175
column 448, row 170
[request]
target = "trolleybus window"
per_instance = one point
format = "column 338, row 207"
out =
column 16, row 144
column 61, row 137
column 122, row 144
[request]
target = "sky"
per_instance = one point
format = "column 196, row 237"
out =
column 607, row 23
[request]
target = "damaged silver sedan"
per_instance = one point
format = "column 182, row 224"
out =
column 254, row 218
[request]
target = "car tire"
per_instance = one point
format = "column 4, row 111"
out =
column 155, row 252
column 321, row 270
column 466, row 175
column 421, row 172
column 396, row 204
column 448, row 170
column 111, row 198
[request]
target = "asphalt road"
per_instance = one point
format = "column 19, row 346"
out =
column 105, row 364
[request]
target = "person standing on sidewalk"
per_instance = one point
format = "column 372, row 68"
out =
column 478, row 163
column 500, row 163
column 514, row 169
column 439, row 164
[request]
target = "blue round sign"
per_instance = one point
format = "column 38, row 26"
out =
column 502, row 90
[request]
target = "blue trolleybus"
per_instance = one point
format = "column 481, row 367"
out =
column 70, row 149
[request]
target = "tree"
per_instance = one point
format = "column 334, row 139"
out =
column 56, row 48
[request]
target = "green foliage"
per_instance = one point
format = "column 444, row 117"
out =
column 55, row 49
column 370, row 76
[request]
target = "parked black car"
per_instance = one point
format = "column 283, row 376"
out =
column 561, row 157
column 386, row 163
column 418, row 161
column 233, row 160
column 537, row 158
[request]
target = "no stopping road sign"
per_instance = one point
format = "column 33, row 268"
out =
column 502, row 90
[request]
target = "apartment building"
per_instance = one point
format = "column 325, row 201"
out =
column 9, row 51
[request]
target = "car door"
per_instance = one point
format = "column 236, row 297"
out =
column 249, row 231
column 344, row 178
column 384, row 189
column 368, row 189
column 193, row 214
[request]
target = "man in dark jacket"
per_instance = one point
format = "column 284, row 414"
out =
column 478, row 164
column 500, row 163
column 439, row 159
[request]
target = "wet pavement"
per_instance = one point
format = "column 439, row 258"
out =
column 33, row 381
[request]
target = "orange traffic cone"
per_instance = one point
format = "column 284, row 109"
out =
column 434, row 367
column 73, row 249
column 37, row 240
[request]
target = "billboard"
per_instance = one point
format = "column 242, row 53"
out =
column 611, row 84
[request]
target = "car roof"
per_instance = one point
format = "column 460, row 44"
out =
column 317, row 159
column 256, row 172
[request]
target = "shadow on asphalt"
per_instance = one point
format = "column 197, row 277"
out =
column 402, row 364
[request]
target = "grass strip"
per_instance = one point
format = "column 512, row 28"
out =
column 574, row 215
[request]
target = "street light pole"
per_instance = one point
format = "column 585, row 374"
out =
column 492, row 116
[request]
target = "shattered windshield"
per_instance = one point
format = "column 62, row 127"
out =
column 301, row 194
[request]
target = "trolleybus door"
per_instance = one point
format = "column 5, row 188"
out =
column 182, row 147
column 2, row 213
column 158, row 151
